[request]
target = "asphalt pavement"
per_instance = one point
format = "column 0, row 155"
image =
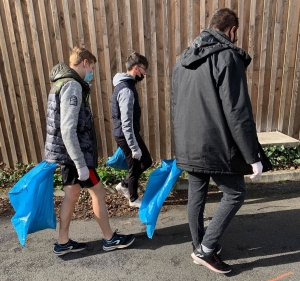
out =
column 262, row 244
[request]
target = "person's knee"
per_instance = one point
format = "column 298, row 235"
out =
column 240, row 197
column 72, row 193
column 97, row 191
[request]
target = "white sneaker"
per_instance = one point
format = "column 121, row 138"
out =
column 137, row 203
column 123, row 190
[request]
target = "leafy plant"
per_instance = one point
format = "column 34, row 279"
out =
column 283, row 157
column 10, row 176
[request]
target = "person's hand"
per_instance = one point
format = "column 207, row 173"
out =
column 83, row 173
column 137, row 154
column 257, row 170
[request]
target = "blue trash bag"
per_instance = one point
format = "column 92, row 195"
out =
column 118, row 160
column 33, row 202
column 159, row 185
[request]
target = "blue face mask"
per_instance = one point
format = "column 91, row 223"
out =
column 88, row 76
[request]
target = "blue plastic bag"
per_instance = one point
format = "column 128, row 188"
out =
column 32, row 200
column 159, row 185
column 118, row 160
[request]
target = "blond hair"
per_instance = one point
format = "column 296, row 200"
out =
column 79, row 54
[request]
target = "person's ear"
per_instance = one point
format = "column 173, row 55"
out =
column 85, row 62
column 232, row 32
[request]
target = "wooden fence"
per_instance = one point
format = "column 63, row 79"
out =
column 37, row 34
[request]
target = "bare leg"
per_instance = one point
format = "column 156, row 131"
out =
column 72, row 193
column 97, row 193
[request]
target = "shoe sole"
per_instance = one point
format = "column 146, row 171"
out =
column 107, row 249
column 67, row 251
column 202, row 262
column 121, row 191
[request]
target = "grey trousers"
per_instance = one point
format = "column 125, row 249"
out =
column 234, row 193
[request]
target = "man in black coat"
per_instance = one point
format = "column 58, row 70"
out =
column 214, row 131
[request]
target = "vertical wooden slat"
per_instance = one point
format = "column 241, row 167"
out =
column 129, row 27
column 215, row 5
column 79, row 23
column 190, row 22
column 167, row 82
column 255, row 25
column 7, row 124
column 46, row 34
column 240, row 31
column 30, row 77
column 265, row 65
column 97, row 78
column 202, row 15
column 117, row 36
column 154, row 76
column 140, row 15
column 37, row 53
column 277, row 62
column 107, row 60
column 68, row 24
column 3, row 148
column 294, row 124
column 12, row 92
column 289, row 66
column 56, row 30
column 177, row 29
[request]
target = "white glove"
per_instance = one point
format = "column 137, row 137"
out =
column 137, row 154
column 83, row 173
column 257, row 170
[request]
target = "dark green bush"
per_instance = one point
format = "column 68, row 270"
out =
column 283, row 157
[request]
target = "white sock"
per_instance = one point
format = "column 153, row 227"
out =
column 206, row 250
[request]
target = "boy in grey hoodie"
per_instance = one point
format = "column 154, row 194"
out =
column 126, row 113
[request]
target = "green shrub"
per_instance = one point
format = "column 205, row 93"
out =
column 283, row 157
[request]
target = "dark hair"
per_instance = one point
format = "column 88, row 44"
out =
column 80, row 54
column 223, row 19
column 134, row 59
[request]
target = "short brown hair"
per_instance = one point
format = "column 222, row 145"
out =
column 79, row 54
column 134, row 59
column 223, row 19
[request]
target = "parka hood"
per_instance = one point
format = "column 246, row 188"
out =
column 62, row 70
column 207, row 43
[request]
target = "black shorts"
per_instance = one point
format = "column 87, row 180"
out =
column 70, row 176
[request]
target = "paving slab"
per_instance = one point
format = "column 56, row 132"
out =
column 276, row 138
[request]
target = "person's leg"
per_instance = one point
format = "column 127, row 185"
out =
column 198, row 186
column 112, row 240
column 97, row 193
column 72, row 193
column 131, row 181
column 234, row 193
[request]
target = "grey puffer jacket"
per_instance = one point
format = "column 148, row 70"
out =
column 214, row 130
column 70, row 137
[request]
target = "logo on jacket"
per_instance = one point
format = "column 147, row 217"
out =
column 73, row 100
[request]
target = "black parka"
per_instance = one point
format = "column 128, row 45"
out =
column 214, row 130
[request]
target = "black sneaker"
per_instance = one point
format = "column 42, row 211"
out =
column 211, row 261
column 217, row 250
column 118, row 241
column 71, row 246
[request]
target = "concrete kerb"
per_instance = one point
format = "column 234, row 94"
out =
column 268, row 177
